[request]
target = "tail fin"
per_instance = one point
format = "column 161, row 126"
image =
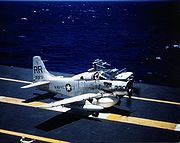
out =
column 39, row 70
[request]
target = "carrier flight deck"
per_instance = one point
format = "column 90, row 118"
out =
column 152, row 115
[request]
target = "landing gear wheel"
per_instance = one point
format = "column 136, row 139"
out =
column 95, row 114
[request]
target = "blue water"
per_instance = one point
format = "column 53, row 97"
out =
column 70, row 35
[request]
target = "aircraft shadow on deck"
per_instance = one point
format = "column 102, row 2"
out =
column 70, row 117
column 62, row 120
column 115, row 110
column 73, row 115
column 39, row 97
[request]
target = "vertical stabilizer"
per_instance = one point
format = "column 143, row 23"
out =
column 39, row 70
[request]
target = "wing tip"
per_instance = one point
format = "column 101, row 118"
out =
column 23, row 87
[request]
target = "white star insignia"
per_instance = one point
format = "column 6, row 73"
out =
column 68, row 87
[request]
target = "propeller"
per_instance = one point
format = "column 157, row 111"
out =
column 136, row 90
column 132, row 90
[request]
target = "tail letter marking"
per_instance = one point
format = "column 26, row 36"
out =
column 38, row 69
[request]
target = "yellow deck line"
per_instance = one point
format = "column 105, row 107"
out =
column 19, row 101
column 154, row 100
column 34, row 137
column 15, row 80
column 142, row 121
column 111, row 117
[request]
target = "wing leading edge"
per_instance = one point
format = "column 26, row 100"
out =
column 72, row 100
column 36, row 84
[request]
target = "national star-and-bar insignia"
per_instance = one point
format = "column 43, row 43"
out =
column 68, row 87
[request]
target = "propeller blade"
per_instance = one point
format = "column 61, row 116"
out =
column 136, row 90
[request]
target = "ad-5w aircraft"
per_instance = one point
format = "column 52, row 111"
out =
column 94, row 90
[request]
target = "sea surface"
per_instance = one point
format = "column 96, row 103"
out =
column 71, row 35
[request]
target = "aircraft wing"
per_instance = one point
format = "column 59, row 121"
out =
column 36, row 84
column 72, row 100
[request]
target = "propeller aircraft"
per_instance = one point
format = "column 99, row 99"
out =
column 94, row 90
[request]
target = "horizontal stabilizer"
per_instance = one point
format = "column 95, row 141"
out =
column 36, row 84
column 71, row 100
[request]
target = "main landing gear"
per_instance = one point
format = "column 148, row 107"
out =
column 95, row 114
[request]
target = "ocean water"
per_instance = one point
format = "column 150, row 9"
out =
column 70, row 35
